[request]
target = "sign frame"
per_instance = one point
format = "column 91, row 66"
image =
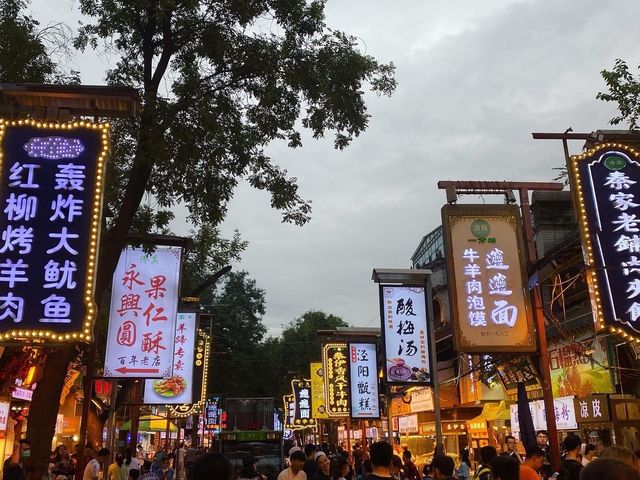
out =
column 85, row 334
column 428, row 321
column 327, row 403
column 450, row 211
column 597, row 275
column 377, row 416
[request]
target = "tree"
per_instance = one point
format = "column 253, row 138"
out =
column 298, row 346
column 238, row 331
column 624, row 89
column 219, row 80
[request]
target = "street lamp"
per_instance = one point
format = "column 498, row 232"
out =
column 415, row 277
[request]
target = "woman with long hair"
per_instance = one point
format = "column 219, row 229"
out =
column 130, row 462
column 63, row 465
column 464, row 470
column 117, row 470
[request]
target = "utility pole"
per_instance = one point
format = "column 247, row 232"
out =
column 455, row 188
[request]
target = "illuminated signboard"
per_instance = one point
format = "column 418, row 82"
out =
column 289, row 402
column 487, row 279
column 363, row 376
column 212, row 414
column 178, row 389
column 404, row 327
column 302, row 400
column 336, row 384
column 142, row 319
column 200, row 376
column 51, row 184
column 606, row 185
column 318, row 409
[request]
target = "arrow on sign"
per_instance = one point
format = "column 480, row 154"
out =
column 125, row 370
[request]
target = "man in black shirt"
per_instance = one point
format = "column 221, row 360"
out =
column 310, row 466
column 13, row 466
column 381, row 455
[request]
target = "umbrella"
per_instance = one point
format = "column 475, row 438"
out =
column 150, row 423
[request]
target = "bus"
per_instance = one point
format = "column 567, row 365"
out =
column 264, row 445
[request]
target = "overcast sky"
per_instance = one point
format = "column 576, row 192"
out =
column 474, row 80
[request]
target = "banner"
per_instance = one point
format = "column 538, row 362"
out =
column 363, row 380
column 565, row 413
column 404, row 327
column 579, row 365
column 318, row 409
column 486, row 272
column 200, row 376
column 51, row 179
column 177, row 389
column 142, row 319
column 334, row 367
column 518, row 370
column 606, row 185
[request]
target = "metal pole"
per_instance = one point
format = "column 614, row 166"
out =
column 389, row 418
column 111, row 424
column 433, row 362
column 544, row 369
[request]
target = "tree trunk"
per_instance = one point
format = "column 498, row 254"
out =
column 43, row 412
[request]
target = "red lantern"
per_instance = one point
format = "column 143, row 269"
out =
column 102, row 388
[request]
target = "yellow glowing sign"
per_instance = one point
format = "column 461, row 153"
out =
column 336, row 383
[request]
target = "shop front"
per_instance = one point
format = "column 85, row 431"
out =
column 594, row 420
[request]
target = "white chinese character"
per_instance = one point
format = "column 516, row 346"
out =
column 498, row 285
column 56, row 310
column 618, row 181
column 472, row 270
column 627, row 222
column 623, row 201
column 13, row 272
column 504, row 313
column 596, row 408
column 475, row 303
column 11, row 307
column 21, row 237
column 304, row 393
column 495, row 260
column 74, row 206
column 59, row 276
column 63, row 243
column 304, row 403
column 631, row 266
column 584, row 410
column 474, row 286
column 634, row 288
column 470, row 254
column 634, row 311
column 632, row 244
column 477, row 319
column 21, row 207
column 70, row 177
column 16, row 175
column 304, row 413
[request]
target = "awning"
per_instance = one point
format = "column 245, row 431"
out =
column 489, row 412
column 150, row 423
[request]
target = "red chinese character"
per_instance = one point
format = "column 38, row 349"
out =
column 179, row 365
column 152, row 344
column 126, row 334
column 129, row 303
column 181, row 328
column 157, row 317
column 157, row 289
column 181, row 339
column 131, row 277
column 179, row 352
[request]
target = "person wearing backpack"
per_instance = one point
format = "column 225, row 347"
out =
column 571, row 466
column 487, row 453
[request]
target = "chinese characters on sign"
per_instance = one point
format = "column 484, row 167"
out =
column 594, row 408
column 290, row 412
column 200, row 375
column 302, row 399
column 336, row 384
column 363, row 380
column 486, row 269
column 212, row 414
column 564, row 412
column 606, row 182
column 516, row 371
column 318, row 409
column 179, row 388
column 404, row 318
column 51, row 179
column 142, row 320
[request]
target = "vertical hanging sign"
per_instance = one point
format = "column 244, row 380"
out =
column 302, row 398
column 51, row 184
column 142, row 319
column 486, row 272
column 318, row 409
column 404, row 326
column 177, row 389
column 336, row 384
column 363, row 380
column 606, row 185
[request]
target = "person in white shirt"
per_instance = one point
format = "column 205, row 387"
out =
column 131, row 462
column 294, row 472
column 92, row 470
column 180, row 466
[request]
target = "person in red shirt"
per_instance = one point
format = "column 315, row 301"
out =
column 410, row 469
column 535, row 458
